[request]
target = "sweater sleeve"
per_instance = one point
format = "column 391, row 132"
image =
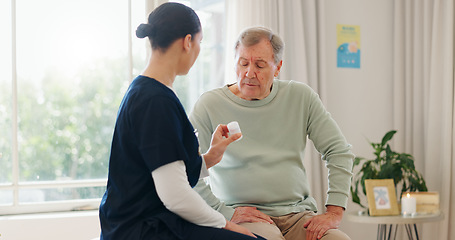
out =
column 177, row 195
column 206, row 193
column 335, row 151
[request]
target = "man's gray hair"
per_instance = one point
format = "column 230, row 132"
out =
column 253, row 35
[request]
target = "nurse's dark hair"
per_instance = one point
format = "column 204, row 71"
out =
column 168, row 22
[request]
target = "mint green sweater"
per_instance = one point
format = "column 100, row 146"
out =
column 265, row 168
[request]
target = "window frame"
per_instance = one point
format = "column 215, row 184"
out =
column 15, row 186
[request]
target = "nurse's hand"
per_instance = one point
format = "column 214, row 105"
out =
column 219, row 143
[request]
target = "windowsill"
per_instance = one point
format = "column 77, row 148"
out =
column 50, row 215
column 50, row 207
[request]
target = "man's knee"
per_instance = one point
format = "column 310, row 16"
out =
column 335, row 234
column 266, row 230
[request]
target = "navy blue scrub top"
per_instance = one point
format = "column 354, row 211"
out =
column 152, row 129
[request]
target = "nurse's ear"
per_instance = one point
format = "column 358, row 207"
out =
column 187, row 42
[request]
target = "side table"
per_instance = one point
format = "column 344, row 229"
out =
column 393, row 221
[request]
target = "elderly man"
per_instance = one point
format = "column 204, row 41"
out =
column 261, row 182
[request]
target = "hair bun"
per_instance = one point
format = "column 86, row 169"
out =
column 144, row 30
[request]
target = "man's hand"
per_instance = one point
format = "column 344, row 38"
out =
column 319, row 224
column 249, row 214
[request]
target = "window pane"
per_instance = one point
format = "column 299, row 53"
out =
column 59, row 194
column 208, row 70
column 5, row 93
column 6, row 197
column 72, row 73
column 138, row 16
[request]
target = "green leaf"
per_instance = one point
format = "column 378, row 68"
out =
column 387, row 137
column 357, row 161
column 388, row 153
column 356, row 198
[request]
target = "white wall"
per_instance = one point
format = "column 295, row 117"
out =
column 82, row 225
column 360, row 100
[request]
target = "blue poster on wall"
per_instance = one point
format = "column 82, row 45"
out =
column 348, row 43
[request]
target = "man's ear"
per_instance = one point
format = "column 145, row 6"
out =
column 187, row 42
column 278, row 68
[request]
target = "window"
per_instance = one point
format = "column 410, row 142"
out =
column 208, row 70
column 64, row 69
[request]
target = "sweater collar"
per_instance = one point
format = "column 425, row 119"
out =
column 252, row 103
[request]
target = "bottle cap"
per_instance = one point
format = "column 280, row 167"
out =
column 234, row 128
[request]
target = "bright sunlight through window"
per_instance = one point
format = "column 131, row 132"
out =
column 64, row 68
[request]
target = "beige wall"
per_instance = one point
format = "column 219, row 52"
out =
column 360, row 100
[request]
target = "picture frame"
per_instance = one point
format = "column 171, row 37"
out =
column 382, row 199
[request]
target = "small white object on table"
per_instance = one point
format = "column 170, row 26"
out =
column 408, row 205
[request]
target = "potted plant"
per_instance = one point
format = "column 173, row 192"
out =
column 387, row 164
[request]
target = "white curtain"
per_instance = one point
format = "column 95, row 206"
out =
column 294, row 21
column 152, row 4
column 424, row 98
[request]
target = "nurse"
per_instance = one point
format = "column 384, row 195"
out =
column 154, row 161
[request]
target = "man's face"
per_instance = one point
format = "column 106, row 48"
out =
column 255, row 69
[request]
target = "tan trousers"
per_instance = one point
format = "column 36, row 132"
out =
column 290, row 227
